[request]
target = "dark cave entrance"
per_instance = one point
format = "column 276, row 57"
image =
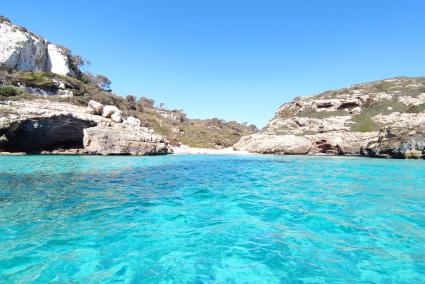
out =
column 36, row 135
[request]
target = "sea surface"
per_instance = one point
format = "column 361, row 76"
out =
column 211, row 219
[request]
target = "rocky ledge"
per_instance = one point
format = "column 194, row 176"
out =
column 378, row 119
column 44, row 127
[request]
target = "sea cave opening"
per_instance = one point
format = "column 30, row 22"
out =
column 44, row 134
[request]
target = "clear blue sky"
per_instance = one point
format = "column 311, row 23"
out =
column 237, row 60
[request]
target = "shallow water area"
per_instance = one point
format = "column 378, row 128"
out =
column 211, row 219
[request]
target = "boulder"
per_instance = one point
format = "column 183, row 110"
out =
column 395, row 142
column 274, row 144
column 117, row 117
column 108, row 111
column 133, row 121
column 122, row 139
column 414, row 154
column 96, row 107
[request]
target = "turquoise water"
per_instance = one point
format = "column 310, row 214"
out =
column 211, row 219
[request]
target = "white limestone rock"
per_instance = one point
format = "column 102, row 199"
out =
column 41, row 124
column 133, row 121
column 348, row 122
column 117, row 117
column 108, row 111
column 266, row 143
column 95, row 106
column 58, row 60
column 340, row 143
column 22, row 50
column 122, row 139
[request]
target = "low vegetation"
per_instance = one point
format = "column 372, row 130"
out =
column 362, row 102
column 321, row 114
column 13, row 93
column 9, row 91
column 417, row 109
column 364, row 123
column 37, row 80
column 402, row 85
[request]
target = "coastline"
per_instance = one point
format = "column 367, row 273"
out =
column 184, row 150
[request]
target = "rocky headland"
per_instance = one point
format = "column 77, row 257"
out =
column 378, row 119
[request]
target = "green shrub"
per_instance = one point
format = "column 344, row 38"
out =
column 14, row 93
column 382, row 86
column 37, row 79
column 364, row 123
column 312, row 113
column 417, row 109
column 9, row 91
column 384, row 106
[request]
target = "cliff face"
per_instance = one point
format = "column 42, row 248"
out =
column 380, row 119
column 25, row 51
column 43, row 126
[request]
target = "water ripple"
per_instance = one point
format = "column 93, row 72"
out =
column 213, row 219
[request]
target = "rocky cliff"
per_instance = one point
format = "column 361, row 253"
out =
column 22, row 50
column 378, row 119
column 43, row 126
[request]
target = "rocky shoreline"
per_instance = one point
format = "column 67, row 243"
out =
column 384, row 119
column 49, row 106
column 46, row 127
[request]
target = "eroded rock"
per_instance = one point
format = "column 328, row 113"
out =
column 41, row 126
column 133, row 121
column 117, row 117
column 265, row 143
column 108, row 111
column 377, row 119
column 96, row 107
column 124, row 140
column 399, row 143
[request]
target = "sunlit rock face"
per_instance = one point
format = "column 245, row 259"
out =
column 58, row 60
column 22, row 50
column 40, row 125
column 378, row 119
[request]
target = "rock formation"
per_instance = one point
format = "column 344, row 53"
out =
column 41, row 126
column 378, row 119
column 45, row 126
column 22, row 50
column 124, row 140
column 397, row 142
